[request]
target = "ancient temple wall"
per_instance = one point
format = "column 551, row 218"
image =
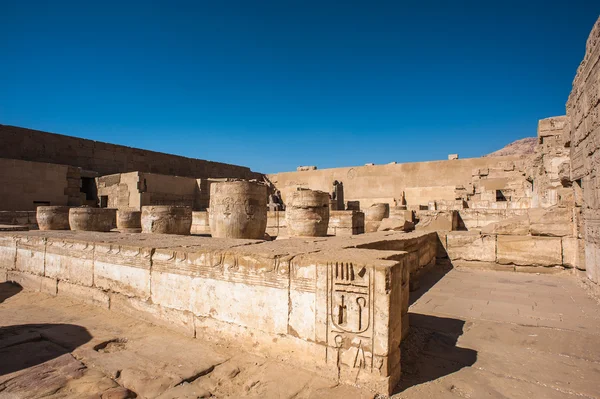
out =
column 330, row 305
column 583, row 111
column 421, row 182
column 25, row 185
column 105, row 158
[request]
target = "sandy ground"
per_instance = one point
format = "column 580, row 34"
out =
column 474, row 334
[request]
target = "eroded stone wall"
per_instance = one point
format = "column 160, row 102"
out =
column 332, row 305
column 474, row 179
column 25, row 185
column 583, row 111
column 105, row 158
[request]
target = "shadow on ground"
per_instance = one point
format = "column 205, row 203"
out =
column 7, row 290
column 428, row 278
column 27, row 345
column 430, row 352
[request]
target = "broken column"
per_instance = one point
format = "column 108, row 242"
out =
column 307, row 213
column 163, row 219
column 92, row 219
column 374, row 215
column 53, row 217
column 238, row 209
column 129, row 221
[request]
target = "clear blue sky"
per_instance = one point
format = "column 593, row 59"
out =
column 277, row 84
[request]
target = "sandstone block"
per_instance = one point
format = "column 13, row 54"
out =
column 466, row 245
column 518, row 225
column 437, row 220
column 573, row 252
column 71, row 261
column 529, row 251
column 395, row 224
column 554, row 222
column 30, row 255
column 200, row 223
column 123, row 268
column 8, row 252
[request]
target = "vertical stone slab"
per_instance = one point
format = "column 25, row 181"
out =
column 30, row 254
column 303, row 297
column 8, row 255
column 122, row 268
column 71, row 261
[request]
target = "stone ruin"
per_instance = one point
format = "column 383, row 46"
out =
column 317, row 260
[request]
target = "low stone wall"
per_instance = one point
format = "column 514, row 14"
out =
column 513, row 252
column 21, row 218
column 477, row 218
column 327, row 304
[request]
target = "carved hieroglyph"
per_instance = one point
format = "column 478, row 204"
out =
column 350, row 315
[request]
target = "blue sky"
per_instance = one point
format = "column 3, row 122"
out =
column 277, row 84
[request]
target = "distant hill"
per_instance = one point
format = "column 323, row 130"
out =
column 520, row 147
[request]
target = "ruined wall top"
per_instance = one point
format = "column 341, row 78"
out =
column 105, row 158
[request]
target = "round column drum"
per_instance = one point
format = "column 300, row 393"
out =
column 129, row 221
column 52, row 217
column 92, row 219
column 164, row 219
column 238, row 209
column 307, row 214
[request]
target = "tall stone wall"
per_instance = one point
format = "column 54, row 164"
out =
column 419, row 182
column 583, row 111
column 104, row 158
column 25, row 185
column 551, row 162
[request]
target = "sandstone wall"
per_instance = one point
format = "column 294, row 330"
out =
column 332, row 305
column 136, row 189
column 421, row 182
column 25, row 185
column 583, row 111
column 104, row 158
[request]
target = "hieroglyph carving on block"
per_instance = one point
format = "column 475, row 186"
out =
column 350, row 318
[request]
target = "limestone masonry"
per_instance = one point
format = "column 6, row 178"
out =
column 314, row 265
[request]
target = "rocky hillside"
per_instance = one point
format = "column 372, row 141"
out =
column 520, row 147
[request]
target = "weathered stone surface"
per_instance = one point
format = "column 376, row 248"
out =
column 573, row 250
column 200, row 223
column 518, row 225
column 437, row 220
column 395, row 224
column 473, row 246
column 92, row 219
column 71, row 261
column 238, row 209
column 307, row 214
column 53, row 217
column 8, row 252
column 30, row 255
column 529, row 251
column 160, row 219
column 555, row 222
column 346, row 223
column 129, row 220
column 123, row 268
